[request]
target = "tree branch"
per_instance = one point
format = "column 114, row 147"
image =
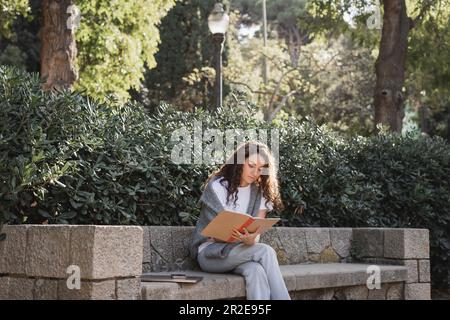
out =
column 280, row 105
column 249, row 88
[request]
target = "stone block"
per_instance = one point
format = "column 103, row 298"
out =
column 395, row 291
column 104, row 252
column 236, row 288
column 317, row 294
column 328, row 255
column 161, row 246
column 393, row 275
column 341, row 240
column 317, row 239
column 181, row 239
column 378, row 294
column 146, row 252
column 271, row 238
column 159, row 290
column 89, row 290
column 368, row 242
column 4, row 287
column 215, row 286
column 407, row 244
column 288, row 243
column 424, row 271
column 45, row 289
column 417, row 291
column 413, row 271
column 12, row 250
column 128, row 289
column 352, row 293
column 48, row 251
column 289, row 277
column 20, row 288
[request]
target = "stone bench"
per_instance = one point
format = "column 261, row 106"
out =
column 44, row 261
column 305, row 281
column 316, row 263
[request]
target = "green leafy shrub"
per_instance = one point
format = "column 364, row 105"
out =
column 68, row 159
column 382, row 181
column 65, row 158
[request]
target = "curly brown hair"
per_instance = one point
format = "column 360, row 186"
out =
column 231, row 172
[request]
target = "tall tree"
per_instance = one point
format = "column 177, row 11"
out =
column 115, row 40
column 390, row 66
column 58, row 50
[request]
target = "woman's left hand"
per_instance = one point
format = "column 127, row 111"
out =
column 246, row 237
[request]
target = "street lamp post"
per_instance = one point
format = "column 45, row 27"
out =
column 218, row 22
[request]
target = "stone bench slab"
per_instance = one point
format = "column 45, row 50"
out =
column 297, row 278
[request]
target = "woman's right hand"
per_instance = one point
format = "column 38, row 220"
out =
column 246, row 237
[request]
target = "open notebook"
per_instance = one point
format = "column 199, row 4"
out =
column 221, row 227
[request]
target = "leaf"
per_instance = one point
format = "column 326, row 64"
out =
column 68, row 215
column 75, row 205
column 44, row 214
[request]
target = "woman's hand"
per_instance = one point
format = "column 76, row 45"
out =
column 246, row 237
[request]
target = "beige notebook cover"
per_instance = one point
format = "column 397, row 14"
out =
column 221, row 227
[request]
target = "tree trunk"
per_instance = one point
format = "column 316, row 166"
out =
column 58, row 49
column 390, row 65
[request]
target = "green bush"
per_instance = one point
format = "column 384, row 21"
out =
column 68, row 159
column 381, row 181
column 65, row 158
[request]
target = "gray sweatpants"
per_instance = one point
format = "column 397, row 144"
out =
column 258, row 264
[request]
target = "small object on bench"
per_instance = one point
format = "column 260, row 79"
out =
column 177, row 277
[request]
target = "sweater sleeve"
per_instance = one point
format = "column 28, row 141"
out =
column 220, row 191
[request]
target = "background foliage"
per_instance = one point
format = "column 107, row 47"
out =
column 116, row 40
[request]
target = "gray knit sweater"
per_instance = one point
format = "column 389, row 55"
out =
column 210, row 207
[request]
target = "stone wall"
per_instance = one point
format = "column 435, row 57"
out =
column 35, row 260
column 388, row 291
column 38, row 262
column 166, row 249
column 407, row 247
